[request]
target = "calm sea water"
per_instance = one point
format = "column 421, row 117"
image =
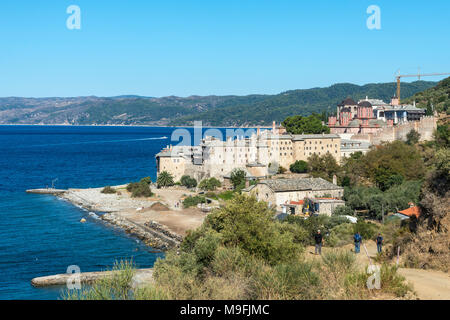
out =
column 41, row 235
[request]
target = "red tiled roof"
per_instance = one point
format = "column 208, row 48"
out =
column 413, row 211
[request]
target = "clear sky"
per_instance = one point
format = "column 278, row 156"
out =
column 193, row 47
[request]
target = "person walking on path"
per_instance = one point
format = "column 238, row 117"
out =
column 318, row 241
column 379, row 243
column 357, row 237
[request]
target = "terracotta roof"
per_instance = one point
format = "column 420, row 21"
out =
column 413, row 211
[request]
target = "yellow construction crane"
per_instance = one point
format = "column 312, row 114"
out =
column 399, row 76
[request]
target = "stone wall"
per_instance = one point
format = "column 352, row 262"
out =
column 425, row 126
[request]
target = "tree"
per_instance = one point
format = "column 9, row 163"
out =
column 412, row 137
column 165, row 179
column 323, row 166
column 442, row 135
column 396, row 158
column 305, row 125
column 299, row 166
column 238, row 178
column 188, row 182
column 210, row 184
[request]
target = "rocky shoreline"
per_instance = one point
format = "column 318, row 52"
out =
column 151, row 233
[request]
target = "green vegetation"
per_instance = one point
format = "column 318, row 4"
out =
column 241, row 252
column 305, row 125
column 193, row 201
column 323, row 166
column 115, row 287
column 238, row 179
column 188, row 182
column 141, row 188
column 226, row 195
column 165, row 179
column 262, row 110
column 412, row 137
column 437, row 96
column 210, row 184
column 108, row 190
column 299, row 166
column 281, row 170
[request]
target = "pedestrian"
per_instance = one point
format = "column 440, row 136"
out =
column 318, row 241
column 357, row 237
column 379, row 243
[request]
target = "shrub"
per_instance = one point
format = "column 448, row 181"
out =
column 117, row 286
column 192, row 201
column 108, row 190
column 188, row 182
column 139, row 189
column 343, row 211
column 281, row 170
column 210, row 184
column 367, row 230
column 146, row 180
column 299, row 166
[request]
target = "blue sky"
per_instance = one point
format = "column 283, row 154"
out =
column 192, row 47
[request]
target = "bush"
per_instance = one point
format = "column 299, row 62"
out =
column 139, row 189
column 367, row 230
column 299, row 166
column 108, row 190
column 343, row 211
column 146, row 180
column 281, row 170
column 192, row 201
column 210, row 184
column 114, row 287
column 188, row 182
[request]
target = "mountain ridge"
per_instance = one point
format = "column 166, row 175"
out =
column 213, row 110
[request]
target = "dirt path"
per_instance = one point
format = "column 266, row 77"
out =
column 428, row 284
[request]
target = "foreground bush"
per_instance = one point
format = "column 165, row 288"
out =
column 241, row 252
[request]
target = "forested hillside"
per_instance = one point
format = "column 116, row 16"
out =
column 179, row 111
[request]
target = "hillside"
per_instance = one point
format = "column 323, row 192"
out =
column 212, row 110
column 438, row 96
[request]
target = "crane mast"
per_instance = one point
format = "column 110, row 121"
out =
column 419, row 75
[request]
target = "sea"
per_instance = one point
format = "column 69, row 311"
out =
column 41, row 234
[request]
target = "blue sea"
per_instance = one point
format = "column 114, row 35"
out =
column 42, row 235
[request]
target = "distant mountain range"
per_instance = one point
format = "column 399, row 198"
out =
column 177, row 111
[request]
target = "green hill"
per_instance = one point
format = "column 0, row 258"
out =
column 180, row 111
column 298, row 102
column 438, row 96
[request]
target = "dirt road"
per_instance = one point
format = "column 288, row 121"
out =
column 428, row 284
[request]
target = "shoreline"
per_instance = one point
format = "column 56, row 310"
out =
column 152, row 234
column 125, row 125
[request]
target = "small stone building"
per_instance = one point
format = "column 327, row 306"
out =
column 281, row 191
